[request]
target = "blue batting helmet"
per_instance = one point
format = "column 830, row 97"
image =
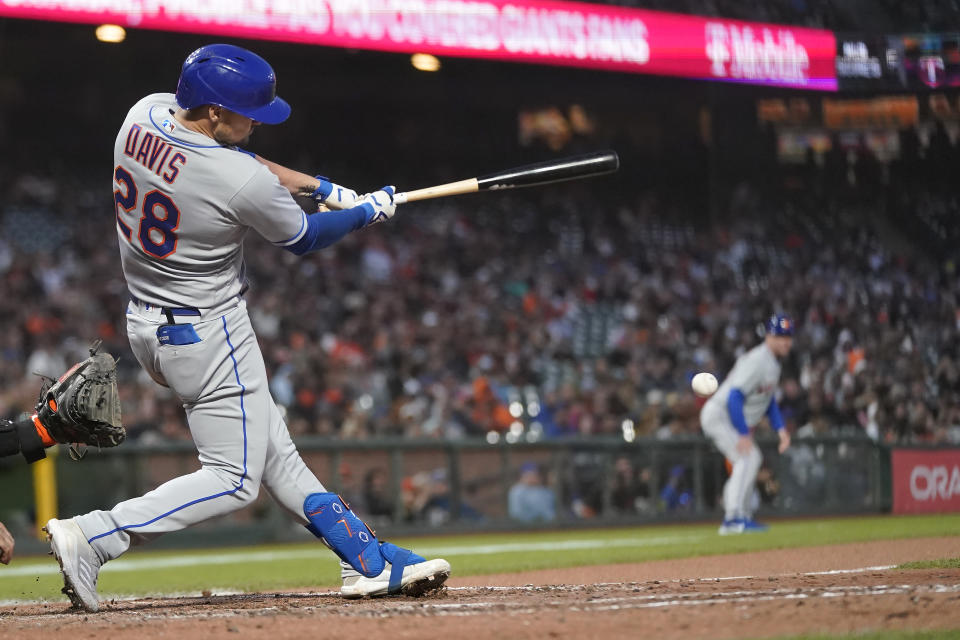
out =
column 780, row 325
column 234, row 78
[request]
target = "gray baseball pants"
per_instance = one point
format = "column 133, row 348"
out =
column 738, row 490
column 240, row 435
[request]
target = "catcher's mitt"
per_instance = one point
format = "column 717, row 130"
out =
column 83, row 406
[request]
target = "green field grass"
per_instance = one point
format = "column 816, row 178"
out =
column 946, row 563
column 310, row 565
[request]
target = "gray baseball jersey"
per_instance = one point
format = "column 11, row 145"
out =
column 184, row 204
column 756, row 374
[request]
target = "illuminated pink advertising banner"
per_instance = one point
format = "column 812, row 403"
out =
column 565, row 33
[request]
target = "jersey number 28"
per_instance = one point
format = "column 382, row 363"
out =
column 160, row 219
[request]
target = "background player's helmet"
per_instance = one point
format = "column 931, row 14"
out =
column 780, row 325
column 234, row 78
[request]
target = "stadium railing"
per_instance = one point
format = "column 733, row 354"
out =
column 404, row 487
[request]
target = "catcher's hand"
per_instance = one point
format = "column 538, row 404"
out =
column 6, row 545
column 83, row 406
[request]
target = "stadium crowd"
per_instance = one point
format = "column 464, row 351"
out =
column 536, row 314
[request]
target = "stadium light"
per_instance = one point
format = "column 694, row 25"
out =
column 425, row 62
column 111, row 33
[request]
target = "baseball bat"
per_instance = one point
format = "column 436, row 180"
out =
column 559, row 170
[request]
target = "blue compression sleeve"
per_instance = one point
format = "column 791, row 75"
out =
column 773, row 413
column 735, row 409
column 323, row 229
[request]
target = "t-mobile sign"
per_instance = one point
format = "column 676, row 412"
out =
column 546, row 32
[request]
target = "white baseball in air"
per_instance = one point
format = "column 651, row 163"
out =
column 704, row 384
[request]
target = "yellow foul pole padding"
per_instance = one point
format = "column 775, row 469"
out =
column 45, row 490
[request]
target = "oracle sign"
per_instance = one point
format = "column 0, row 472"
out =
column 551, row 32
column 934, row 483
column 926, row 480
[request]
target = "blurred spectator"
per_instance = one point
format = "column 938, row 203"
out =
column 426, row 498
column 584, row 482
column 676, row 493
column 630, row 489
column 376, row 499
column 529, row 500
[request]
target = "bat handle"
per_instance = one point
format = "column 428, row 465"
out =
column 437, row 191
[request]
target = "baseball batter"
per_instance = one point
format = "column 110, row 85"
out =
column 186, row 195
column 744, row 398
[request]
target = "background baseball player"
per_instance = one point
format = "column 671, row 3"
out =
column 186, row 196
column 744, row 398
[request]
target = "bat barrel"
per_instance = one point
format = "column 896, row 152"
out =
column 571, row 168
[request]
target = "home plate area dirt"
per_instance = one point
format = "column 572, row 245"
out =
column 841, row 588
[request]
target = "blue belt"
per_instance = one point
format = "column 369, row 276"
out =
column 169, row 312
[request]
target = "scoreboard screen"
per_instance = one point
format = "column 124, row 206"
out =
column 911, row 62
column 927, row 61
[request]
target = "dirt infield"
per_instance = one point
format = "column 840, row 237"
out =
column 763, row 594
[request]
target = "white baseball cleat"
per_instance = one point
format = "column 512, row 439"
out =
column 418, row 579
column 731, row 527
column 79, row 563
